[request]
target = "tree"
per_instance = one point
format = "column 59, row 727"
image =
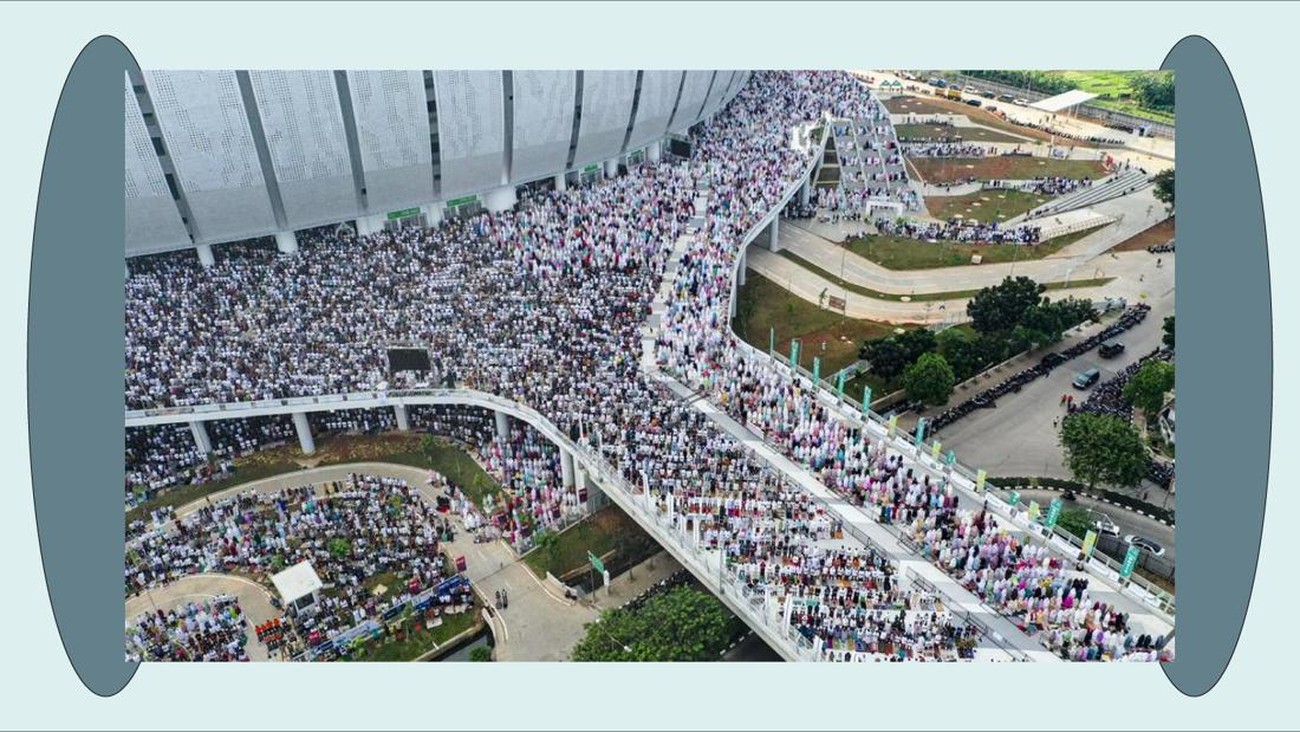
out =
column 887, row 357
column 1169, row 332
column 545, row 542
column 1147, row 388
column 683, row 624
column 916, row 342
column 1164, row 190
column 930, row 380
column 961, row 352
column 1100, row 448
column 1000, row 308
column 339, row 547
column 480, row 653
column 890, row 356
column 1075, row 521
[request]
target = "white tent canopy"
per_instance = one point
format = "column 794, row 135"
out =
column 1063, row 101
column 296, row 582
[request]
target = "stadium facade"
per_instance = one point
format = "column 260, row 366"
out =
column 222, row 156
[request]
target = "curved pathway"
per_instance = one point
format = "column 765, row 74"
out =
column 254, row 600
column 539, row 625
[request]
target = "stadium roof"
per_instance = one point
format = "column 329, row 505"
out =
column 1062, row 101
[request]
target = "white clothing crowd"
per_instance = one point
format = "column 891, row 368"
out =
column 545, row 305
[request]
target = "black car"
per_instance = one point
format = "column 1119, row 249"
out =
column 1052, row 360
column 987, row 94
column 1005, row 98
column 1110, row 349
column 974, row 102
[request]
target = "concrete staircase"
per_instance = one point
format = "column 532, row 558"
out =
column 1112, row 187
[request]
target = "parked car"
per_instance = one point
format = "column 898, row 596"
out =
column 1087, row 378
column 987, row 94
column 1142, row 542
column 1005, row 98
column 974, row 102
column 1022, row 102
column 1110, row 349
column 1103, row 525
column 1052, row 360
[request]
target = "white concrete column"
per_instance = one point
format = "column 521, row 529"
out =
column 561, row 184
column 744, row 265
column 433, row 213
column 367, row 225
column 805, row 193
column 200, row 432
column 566, row 467
column 286, row 242
column 205, row 255
column 403, row 422
column 611, row 167
column 304, row 433
column 501, row 199
column 503, row 426
column 652, row 152
column 733, row 296
column 774, row 235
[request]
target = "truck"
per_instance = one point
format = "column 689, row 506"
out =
column 953, row 93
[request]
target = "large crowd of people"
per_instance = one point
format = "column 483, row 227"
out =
column 949, row 150
column 960, row 230
column 212, row 630
column 353, row 531
column 545, row 304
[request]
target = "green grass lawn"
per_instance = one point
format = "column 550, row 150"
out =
column 182, row 495
column 609, row 529
column 901, row 253
column 826, row 334
column 1113, row 86
column 417, row 640
column 968, row 134
column 403, row 449
column 940, row 171
column 990, row 205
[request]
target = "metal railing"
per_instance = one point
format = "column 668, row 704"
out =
column 968, row 617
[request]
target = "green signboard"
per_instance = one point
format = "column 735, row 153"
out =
column 1034, row 511
column 598, row 565
column 1130, row 562
column 1053, row 513
column 866, row 401
column 463, row 201
column 950, row 459
column 839, row 384
column 817, row 370
column 920, row 430
column 403, row 214
column 1015, row 498
column 593, row 168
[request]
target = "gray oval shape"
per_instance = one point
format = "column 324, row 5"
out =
column 1224, row 267
column 74, row 365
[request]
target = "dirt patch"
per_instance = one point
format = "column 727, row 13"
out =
column 1161, row 233
column 978, row 115
column 939, row 171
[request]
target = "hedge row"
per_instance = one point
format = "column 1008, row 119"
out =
column 1059, row 484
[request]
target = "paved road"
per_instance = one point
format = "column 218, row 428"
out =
column 539, row 625
column 1017, row 438
column 253, row 600
column 1128, row 522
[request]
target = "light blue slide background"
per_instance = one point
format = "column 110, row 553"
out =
column 41, row 689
